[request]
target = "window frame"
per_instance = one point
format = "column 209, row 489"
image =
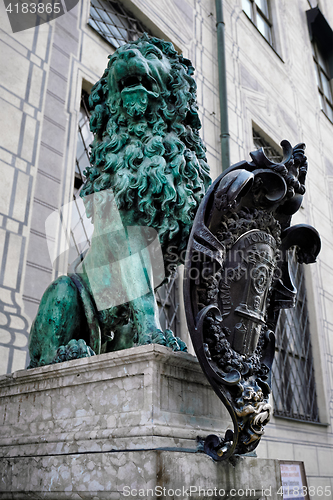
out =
column 271, row 151
column 79, row 221
column 267, row 18
column 292, row 351
column 79, row 177
column 321, row 68
column 120, row 19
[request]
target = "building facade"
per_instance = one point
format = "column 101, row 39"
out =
column 279, row 65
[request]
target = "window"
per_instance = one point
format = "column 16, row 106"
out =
column 321, row 36
column 294, row 390
column 293, row 382
column 271, row 152
column 114, row 23
column 323, row 81
column 167, row 297
column 85, row 137
column 258, row 12
column 81, row 227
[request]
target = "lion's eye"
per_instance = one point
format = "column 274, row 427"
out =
column 152, row 54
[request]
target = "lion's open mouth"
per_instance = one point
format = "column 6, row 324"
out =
column 149, row 83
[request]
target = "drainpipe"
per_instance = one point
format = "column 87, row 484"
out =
column 222, row 85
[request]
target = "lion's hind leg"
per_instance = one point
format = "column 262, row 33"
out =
column 60, row 319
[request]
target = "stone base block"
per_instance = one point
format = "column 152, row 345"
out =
column 120, row 425
column 143, row 474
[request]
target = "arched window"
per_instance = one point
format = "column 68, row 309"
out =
column 114, row 23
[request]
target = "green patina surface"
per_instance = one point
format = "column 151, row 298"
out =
column 147, row 177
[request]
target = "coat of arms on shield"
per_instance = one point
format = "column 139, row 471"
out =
column 237, row 280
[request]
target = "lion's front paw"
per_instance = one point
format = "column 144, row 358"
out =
column 166, row 338
column 75, row 349
column 175, row 343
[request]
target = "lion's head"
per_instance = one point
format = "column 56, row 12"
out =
column 147, row 147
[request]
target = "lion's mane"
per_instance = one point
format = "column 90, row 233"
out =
column 156, row 166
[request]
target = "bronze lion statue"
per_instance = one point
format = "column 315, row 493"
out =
column 147, row 177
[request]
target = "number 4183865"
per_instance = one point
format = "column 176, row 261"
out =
column 296, row 491
column 34, row 8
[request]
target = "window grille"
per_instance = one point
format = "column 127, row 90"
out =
column 293, row 385
column 81, row 227
column 114, row 23
column 323, row 81
column 85, row 137
column 271, row 153
column 168, row 302
column 294, row 389
column 259, row 13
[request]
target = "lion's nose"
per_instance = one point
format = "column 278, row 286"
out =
column 130, row 53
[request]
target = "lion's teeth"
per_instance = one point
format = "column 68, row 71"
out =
column 140, row 78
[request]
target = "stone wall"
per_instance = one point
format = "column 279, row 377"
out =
column 25, row 67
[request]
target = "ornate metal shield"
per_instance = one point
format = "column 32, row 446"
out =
column 236, row 281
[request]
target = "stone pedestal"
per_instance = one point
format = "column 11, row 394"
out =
column 119, row 425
